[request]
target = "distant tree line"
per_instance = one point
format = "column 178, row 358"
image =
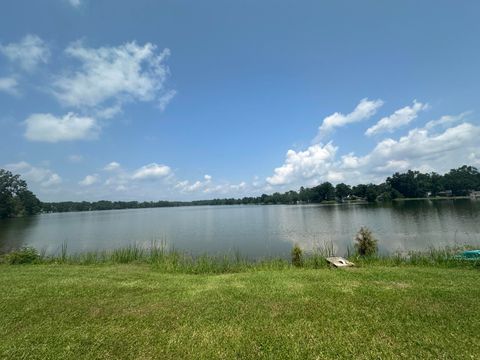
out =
column 17, row 200
column 411, row 184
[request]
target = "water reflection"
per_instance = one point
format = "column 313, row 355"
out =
column 254, row 231
column 15, row 232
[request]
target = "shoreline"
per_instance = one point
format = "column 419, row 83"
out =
column 323, row 203
column 435, row 198
column 173, row 261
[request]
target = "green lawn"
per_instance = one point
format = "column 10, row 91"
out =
column 136, row 312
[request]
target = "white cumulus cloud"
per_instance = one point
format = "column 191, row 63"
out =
column 112, row 166
column 364, row 110
column 28, row 52
column 40, row 175
column 89, row 180
column 227, row 189
column 185, row 186
column 49, row 128
column 422, row 144
column 422, row 148
column 207, row 186
column 114, row 74
column 399, row 118
column 314, row 162
column 9, row 85
column 75, row 3
column 447, row 120
column 165, row 99
column 438, row 146
column 109, row 112
column 151, row 171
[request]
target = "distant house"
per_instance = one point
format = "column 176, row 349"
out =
column 352, row 197
column 475, row 194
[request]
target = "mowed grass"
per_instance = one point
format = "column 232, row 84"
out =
column 136, row 312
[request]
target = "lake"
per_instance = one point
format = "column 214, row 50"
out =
column 255, row 231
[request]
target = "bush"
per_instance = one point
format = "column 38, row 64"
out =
column 26, row 255
column 297, row 256
column 366, row 244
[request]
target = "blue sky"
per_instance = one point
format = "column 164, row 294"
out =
column 153, row 100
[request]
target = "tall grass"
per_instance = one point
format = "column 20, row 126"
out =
column 316, row 258
column 441, row 257
column 163, row 259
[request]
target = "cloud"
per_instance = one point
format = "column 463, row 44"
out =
column 185, row 186
column 109, row 112
column 74, row 158
column 89, row 180
column 399, row 118
column 9, row 85
column 54, row 179
column 420, row 144
column 164, row 184
column 421, row 148
column 151, row 171
column 112, row 166
column 114, row 74
column 165, row 99
column 206, row 186
column 49, row 128
column 75, row 3
column 121, row 179
column 42, row 176
column 474, row 157
column 392, row 166
column 314, row 162
column 364, row 110
column 28, row 52
column 227, row 189
column 438, row 146
column 238, row 187
column 447, row 120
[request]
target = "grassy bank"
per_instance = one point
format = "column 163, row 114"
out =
column 136, row 312
column 172, row 261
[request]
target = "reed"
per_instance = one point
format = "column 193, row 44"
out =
column 163, row 259
column 440, row 257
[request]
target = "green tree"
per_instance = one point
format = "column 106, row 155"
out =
column 412, row 184
column 342, row 191
column 29, row 202
column 15, row 198
column 436, row 183
column 305, row 195
column 360, row 190
column 371, row 192
column 462, row 180
column 322, row 192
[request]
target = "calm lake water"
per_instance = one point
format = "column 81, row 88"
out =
column 254, row 231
